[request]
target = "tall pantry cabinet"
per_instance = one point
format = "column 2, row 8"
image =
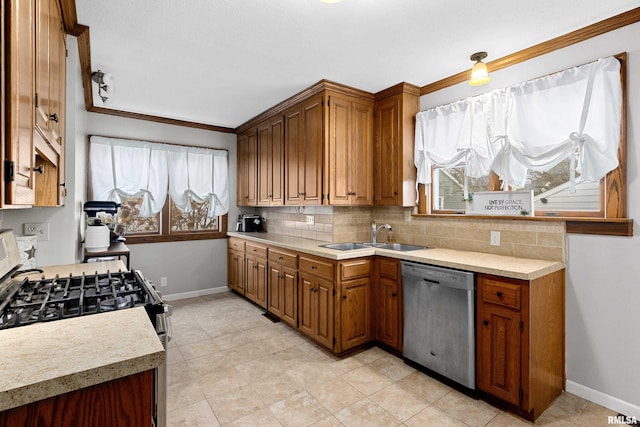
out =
column 33, row 104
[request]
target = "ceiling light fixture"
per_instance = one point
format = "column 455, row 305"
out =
column 479, row 73
column 105, row 84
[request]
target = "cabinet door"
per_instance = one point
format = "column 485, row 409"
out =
column 498, row 352
column 289, row 294
column 43, row 18
column 387, row 122
column 361, row 164
column 247, row 169
column 274, row 305
column 313, row 131
column 20, row 17
column 271, row 162
column 324, row 312
column 261, row 282
column 340, row 151
column 306, row 304
column 236, row 271
column 388, row 312
column 355, row 313
column 251, row 278
column 350, row 152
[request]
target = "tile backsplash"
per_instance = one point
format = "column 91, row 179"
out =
column 520, row 238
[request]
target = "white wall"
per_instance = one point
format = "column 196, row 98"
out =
column 603, row 292
column 64, row 244
column 192, row 268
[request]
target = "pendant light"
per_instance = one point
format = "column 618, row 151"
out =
column 479, row 73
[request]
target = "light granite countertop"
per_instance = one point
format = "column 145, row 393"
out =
column 499, row 265
column 51, row 358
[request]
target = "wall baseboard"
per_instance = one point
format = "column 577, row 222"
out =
column 194, row 294
column 624, row 408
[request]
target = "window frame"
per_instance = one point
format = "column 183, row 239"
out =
column 612, row 221
column 164, row 233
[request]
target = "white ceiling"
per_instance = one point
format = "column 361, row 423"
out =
column 222, row 62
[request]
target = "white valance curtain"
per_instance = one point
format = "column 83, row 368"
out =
column 123, row 168
column 535, row 125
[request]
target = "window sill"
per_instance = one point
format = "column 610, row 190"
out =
column 599, row 226
column 132, row 240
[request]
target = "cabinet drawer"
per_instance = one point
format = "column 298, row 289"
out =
column 287, row 259
column 235, row 244
column 389, row 268
column 256, row 249
column 506, row 294
column 316, row 267
column 354, row 269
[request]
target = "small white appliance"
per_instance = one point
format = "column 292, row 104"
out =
column 97, row 236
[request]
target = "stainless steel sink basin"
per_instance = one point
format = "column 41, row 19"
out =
column 346, row 246
column 402, row 247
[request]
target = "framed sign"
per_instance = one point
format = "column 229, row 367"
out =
column 500, row 203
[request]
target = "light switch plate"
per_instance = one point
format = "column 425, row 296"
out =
column 311, row 220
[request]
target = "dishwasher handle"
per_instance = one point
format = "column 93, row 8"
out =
column 436, row 282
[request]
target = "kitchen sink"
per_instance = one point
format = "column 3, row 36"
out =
column 402, row 247
column 346, row 246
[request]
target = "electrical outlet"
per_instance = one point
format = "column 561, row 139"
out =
column 163, row 281
column 311, row 220
column 495, row 238
column 40, row 230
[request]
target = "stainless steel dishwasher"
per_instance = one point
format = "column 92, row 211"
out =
column 439, row 313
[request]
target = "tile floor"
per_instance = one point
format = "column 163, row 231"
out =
column 229, row 365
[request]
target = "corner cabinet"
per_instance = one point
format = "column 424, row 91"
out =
column 35, row 63
column 395, row 112
column 520, row 341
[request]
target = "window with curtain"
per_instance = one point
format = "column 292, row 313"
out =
column 557, row 135
column 167, row 192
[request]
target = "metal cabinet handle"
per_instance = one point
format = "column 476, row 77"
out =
column 344, row 297
column 313, row 267
column 280, row 258
column 39, row 169
column 499, row 294
column 485, row 322
column 54, row 117
column 393, row 294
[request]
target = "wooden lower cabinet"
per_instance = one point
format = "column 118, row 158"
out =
column 316, row 308
column 354, row 304
column 256, row 280
column 235, row 271
column 388, row 303
column 282, row 284
column 125, row 402
column 520, row 341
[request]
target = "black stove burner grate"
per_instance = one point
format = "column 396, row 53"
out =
column 45, row 300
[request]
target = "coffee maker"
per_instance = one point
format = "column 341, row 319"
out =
column 101, row 221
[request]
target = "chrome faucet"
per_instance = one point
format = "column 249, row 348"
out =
column 375, row 230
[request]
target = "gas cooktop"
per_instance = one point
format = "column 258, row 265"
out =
column 26, row 301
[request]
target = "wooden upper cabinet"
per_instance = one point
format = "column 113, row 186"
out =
column 19, row 18
column 50, row 72
column 303, row 152
column 271, row 162
column 395, row 111
column 247, row 168
column 350, row 151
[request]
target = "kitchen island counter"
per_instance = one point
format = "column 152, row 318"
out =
column 499, row 265
column 47, row 359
